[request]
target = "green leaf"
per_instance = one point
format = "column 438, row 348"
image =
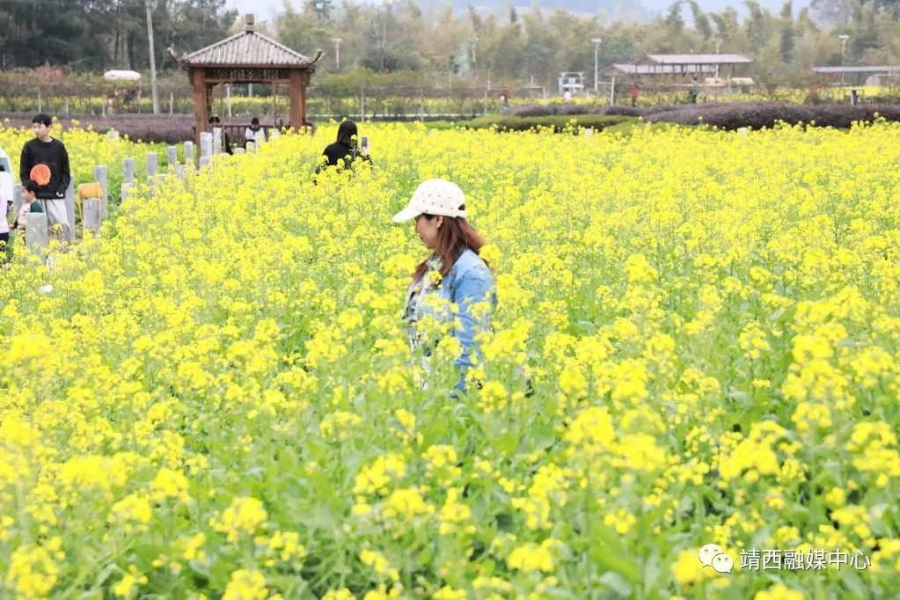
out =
column 610, row 554
column 616, row 583
column 507, row 443
column 854, row 582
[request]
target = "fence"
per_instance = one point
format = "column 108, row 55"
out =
column 334, row 100
column 323, row 101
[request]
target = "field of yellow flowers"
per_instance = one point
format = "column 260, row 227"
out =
column 216, row 399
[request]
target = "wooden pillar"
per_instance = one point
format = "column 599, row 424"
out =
column 274, row 92
column 306, row 78
column 298, row 94
column 201, row 100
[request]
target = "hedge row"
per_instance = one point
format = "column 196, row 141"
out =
column 542, row 110
column 727, row 115
column 759, row 115
column 559, row 123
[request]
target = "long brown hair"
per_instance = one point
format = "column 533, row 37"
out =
column 454, row 236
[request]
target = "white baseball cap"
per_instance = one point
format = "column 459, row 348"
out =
column 434, row 197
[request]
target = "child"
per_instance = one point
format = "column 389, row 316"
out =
column 30, row 204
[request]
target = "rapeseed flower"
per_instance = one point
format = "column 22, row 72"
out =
column 671, row 365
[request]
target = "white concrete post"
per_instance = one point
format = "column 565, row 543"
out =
column 17, row 198
column 128, row 167
column 36, row 233
column 206, row 146
column 91, row 216
column 68, row 234
column 101, row 178
column 172, row 157
column 152, row 165
column 217, row 140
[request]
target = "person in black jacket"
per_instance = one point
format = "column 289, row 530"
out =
column 345, row 149
column 45, row 160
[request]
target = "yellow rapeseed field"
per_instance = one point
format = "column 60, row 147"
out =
column 216, row 399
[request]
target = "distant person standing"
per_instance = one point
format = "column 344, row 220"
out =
column 45, row 161
column 214, row 122
column 634, row 93
column 694, row 90
column 254, row 134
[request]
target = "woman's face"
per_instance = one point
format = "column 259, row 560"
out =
column 428, row 230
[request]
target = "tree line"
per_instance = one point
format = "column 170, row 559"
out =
column 95, row 35
column 442, row 45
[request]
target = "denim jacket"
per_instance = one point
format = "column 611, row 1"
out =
column 468, row 282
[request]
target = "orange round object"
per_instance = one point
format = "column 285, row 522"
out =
column 40, row 174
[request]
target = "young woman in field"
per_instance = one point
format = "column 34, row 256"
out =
column 346, row 148
column 452, row 273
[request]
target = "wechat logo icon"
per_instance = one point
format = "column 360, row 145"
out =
column 711, row 555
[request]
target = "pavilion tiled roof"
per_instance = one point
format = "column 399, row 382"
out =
column 247, row 49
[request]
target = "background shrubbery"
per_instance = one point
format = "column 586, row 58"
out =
column 759, row 115
column 559, row 123
column 728, row 115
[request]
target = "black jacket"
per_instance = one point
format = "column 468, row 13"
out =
column 54, row 155
column 337, row 151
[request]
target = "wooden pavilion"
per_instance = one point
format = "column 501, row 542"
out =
column 248, row 57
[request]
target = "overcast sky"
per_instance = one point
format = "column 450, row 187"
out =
column 264, row 9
